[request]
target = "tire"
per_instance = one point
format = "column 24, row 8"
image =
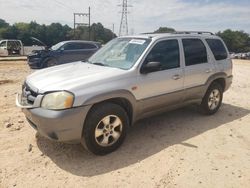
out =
column 105, row 128
column 212, row 100
column 51, row 63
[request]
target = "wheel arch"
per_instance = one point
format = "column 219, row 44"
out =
column 123, row 98
column 218, row 78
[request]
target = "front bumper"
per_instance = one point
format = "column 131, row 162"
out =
column 34, row 63
column 60, row 125
column 63, row 125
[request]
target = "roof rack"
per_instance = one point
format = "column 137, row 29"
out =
column 190, row 32
column 182, row 32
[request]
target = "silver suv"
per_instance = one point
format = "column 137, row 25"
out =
column 130, row 78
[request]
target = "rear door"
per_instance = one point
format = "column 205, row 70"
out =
column 198, row 67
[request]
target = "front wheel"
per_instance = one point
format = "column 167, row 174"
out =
column 212, row 100
column 51, row 63
column 105, row 128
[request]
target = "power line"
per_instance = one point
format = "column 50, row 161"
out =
column 64, row 5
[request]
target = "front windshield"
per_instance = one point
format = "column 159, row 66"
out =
column 57, row 46
column 120, row 53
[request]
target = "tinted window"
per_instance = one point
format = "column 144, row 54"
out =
column 71, row 46
column 86, row 46
column 195, row 51
column 167, row 53
column 217, row 48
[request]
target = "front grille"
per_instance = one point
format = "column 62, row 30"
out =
column 28, row 93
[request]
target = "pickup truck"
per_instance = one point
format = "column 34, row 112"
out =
column 15, row 47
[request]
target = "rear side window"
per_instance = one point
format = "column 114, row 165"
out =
column 86, row 46
column 195, row 51
column 217, row 48
column 167, row 53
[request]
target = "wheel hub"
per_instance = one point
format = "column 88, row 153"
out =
column 214, row 99
column 108, row 130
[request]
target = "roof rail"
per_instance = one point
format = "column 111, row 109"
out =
column 182, row 32
column 190, row 32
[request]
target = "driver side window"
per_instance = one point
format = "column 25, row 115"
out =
column 167, row 53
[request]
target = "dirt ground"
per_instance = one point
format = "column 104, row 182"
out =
column 177, row 149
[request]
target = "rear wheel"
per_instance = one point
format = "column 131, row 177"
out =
column 212, row 100
column 105, row 128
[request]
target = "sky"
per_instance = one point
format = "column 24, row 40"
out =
column 144, row 16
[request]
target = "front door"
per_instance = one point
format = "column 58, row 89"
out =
column 164, row 87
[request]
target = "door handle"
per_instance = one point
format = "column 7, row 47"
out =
column 176, row 77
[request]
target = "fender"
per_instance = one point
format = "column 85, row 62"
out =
column 124, row 94
column 214, row 77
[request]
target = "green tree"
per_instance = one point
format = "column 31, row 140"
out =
column 236, row 41
column 53, row 33
column 165, row 30
column 3, row 23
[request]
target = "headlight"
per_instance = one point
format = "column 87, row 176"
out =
column 58, row 100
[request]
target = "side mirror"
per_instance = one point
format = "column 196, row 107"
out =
column 150, row 67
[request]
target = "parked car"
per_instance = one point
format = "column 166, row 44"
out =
column 15, row 47
column 232, row 55
column 248, row 55
column 63, row 52
column 130, row 78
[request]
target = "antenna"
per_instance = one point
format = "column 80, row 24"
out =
column 124, row 18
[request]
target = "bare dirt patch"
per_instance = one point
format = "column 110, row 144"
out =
column 6, row 82
column 177, row 149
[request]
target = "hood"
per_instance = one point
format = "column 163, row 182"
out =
column 71, row 76
column 35, row 39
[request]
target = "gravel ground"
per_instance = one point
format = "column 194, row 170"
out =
column 177, row 149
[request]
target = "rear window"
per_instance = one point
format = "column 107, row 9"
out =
column 217, row 48
column 195, row 51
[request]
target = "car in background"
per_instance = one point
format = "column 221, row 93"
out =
column 232, row 55
column 237, row 56
column 13, row 47
column 248, row 55
column 63, row 52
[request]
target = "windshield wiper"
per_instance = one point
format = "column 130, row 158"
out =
column 96, row 63
column 99, row 63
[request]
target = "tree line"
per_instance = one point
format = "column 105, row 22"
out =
column 53, row 33
column 236, row 41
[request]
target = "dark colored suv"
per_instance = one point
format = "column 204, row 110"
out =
column 63, row 52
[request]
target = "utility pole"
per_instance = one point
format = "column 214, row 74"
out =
column 81, row 23
column 124, row 18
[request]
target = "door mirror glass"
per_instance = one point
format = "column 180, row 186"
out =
column 151, row 67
